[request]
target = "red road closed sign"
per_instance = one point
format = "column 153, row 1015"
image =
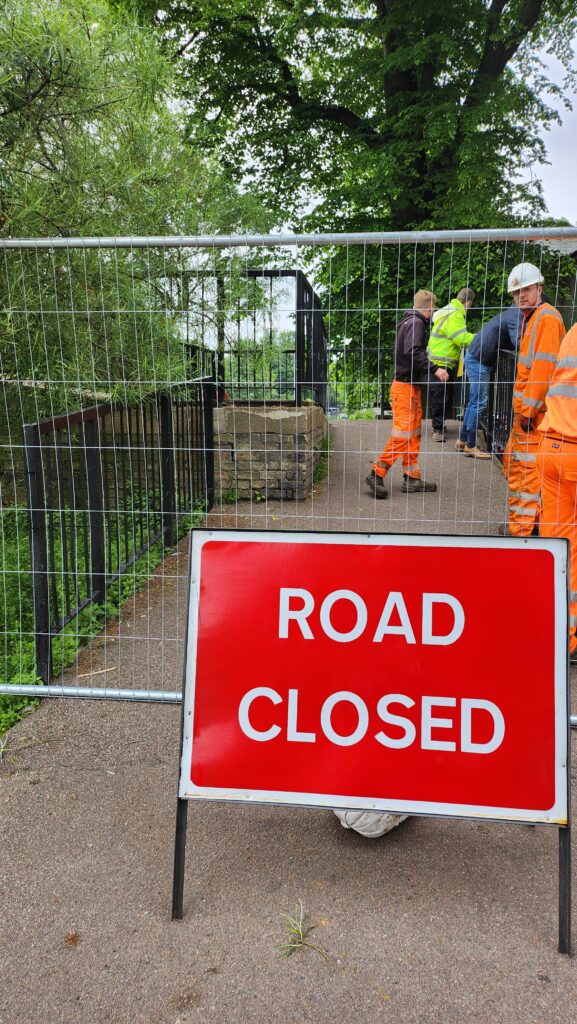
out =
column 423, row 675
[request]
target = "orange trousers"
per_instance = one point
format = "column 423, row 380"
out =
column 557, row 463
column 522, row 475
column 405, row 440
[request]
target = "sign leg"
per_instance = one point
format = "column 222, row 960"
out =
column 179, row 855
column 565, row 889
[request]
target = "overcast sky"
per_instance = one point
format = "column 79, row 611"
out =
column 560, row 177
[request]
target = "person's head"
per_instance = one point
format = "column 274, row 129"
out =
column 526, row 286
column 466, row 296
column 424, row 302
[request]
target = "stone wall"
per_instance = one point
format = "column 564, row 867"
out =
column 267, row 452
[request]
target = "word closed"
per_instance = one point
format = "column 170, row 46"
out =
column 429, row 723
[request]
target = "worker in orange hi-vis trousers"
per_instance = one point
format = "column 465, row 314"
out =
column 541, row 335
column 411, row 370
column 557, row 464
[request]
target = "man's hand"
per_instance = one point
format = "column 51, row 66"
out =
column 525, row 423
column 441, row 374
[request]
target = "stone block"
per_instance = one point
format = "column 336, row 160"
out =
column 268, row 450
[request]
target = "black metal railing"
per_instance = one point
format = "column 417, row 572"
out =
column 311, row 345
column 251, row 375
column 104, row 484
column 247, row 362
column 499, row 414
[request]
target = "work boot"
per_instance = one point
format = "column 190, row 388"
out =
column 460, row 445
column 377, row 485
column 476, row 453
column 437, row 436
column 412, row 486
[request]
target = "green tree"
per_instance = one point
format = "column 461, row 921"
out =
column 91, row 143
column 91, row 138
column 379, row 115
column 384, row 114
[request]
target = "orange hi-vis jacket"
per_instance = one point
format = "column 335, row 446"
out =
column 561, row 416
column 557, row 464
column 541, row 337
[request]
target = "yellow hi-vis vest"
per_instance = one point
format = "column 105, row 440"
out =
column 449, row 335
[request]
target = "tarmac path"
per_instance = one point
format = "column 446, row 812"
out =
column 440, row 921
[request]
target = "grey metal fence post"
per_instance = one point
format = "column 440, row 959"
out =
column 95, row 509
column 39, row 551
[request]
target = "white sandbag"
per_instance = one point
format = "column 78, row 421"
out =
column 371, row 824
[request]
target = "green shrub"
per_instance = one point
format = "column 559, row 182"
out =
column 363, row 414
column 17, row 648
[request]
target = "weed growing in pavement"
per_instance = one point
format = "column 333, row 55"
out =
column 320, row 470
column 229, row 497
column 298, row 931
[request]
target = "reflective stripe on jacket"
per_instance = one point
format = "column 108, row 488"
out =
column 561, row 401
column 542, row 334
column 449, row 335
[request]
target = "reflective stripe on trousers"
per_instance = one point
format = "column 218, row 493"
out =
column 557, row 465
column 520, row 465
column 405, row 440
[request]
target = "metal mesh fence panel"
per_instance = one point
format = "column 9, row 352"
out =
column 150, row 385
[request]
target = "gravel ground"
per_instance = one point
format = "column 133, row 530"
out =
column 440, row 921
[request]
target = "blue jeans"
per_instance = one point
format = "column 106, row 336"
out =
column 478, row 376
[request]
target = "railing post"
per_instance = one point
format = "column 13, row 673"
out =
column 38, row 551
column 300, row 339
column 168, row 488
column 320, row 351
column 220, row 338
column 207, row 393
column 93, row 457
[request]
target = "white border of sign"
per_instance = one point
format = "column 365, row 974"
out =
column 556, row 815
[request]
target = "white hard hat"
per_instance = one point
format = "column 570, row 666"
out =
column 523, row 275
column 371, row 824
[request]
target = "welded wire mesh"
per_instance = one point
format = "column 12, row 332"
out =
column 151, row 385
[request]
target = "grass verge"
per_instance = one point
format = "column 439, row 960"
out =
column 17, row 646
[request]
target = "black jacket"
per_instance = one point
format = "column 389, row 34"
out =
column 411, row 362
column 501, row 332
